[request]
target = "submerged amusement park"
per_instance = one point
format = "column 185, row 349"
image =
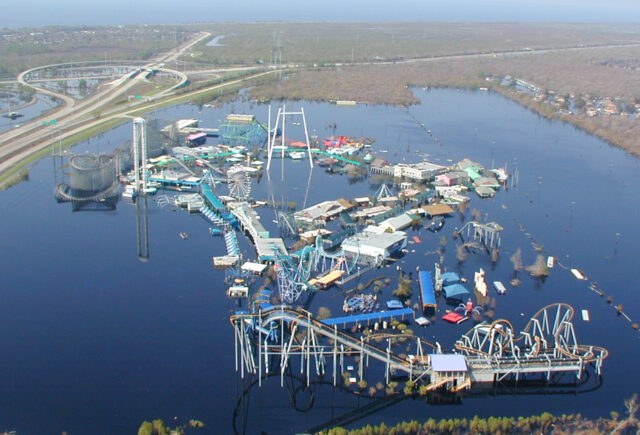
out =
column 298, row 266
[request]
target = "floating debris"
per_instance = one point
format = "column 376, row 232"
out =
column 578, row 274
column 422, row 321
column 184, row 236
column 550, row 262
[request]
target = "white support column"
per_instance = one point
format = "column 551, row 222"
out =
column 282, row 137
column 139, row 144
column 306, row 135
column 272, row 141
column 136, row 156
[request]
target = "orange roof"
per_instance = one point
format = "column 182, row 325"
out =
column 438, row 209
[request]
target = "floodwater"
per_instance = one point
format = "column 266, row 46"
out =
column 41, row 105
column 215, row 41
column 95, row 340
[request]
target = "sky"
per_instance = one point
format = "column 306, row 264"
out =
column 33, row 13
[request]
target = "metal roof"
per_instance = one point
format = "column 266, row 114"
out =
column 449, row 278
column 455, row 291
column 394, row 304
column 448, row 362
column 382, row 241
column 426, row 289
column 438, row 209
column 369, row 317
column 397, row 222
column 254, row 267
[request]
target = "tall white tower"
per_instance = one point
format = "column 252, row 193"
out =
column 140, row 153
column 271, row 137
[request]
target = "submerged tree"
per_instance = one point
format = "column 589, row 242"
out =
column 476, row 214
column 539, row 268
column 323, row 313
column 516, row 259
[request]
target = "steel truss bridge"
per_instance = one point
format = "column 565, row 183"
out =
column 282, row 339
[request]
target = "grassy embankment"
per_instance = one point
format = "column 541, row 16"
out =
column 204, row 93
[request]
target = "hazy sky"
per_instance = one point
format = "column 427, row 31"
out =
column 23, row 13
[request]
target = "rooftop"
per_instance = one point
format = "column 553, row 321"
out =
column 448, row 363
column 382, row 240
column 438, row 209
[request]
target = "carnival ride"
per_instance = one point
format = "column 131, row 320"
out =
column 492, row 352
column 468, row 308
column 293, row 279
column 239, row 183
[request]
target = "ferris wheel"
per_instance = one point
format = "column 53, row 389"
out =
column 239, row 183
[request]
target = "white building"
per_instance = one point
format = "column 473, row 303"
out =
column 396, row 223
column 375, row 247
column 419, row 171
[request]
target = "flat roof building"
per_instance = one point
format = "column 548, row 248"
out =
column 375, row 247
column 419, row 171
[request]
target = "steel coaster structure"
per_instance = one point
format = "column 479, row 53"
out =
column 289, row 284
column 488, row 234
column 549, row 345
column 63, row 192
column 294, row 279
column 270, row 341
column 242, row 130
column 283, row 339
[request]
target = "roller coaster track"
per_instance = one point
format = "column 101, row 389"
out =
column 489, row 350
column 302, row 320
column 63, row 189
column 548, row 340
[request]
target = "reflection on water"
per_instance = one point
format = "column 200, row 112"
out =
column 140, row 344
column 142, row 228
column 340, row 406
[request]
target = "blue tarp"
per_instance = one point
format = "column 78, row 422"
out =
column 455, row 291
column 449, row 278
column 427, row 295
column 369, row 318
